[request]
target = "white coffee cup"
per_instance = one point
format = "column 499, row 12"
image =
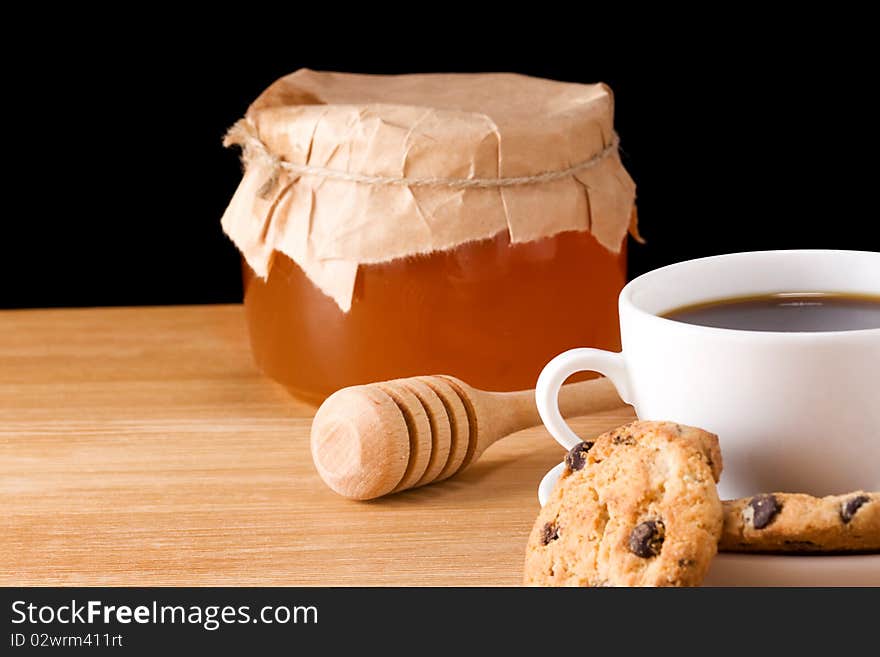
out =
column 795, row 412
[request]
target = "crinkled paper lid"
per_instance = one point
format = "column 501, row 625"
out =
column 344, row 169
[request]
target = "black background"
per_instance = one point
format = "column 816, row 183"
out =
column 754, row 137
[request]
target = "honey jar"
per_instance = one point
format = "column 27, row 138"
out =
column 392, row 226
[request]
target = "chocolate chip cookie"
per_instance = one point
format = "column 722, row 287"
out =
column 636, row 507
column 793, row 522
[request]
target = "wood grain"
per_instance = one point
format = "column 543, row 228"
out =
column 140, row 446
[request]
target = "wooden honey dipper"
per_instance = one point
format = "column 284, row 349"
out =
column 380, row 438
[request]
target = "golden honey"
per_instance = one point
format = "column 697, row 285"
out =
column 489, row 312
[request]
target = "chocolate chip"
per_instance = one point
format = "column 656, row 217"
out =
column 549, row 533
column 619, row 439
column 848, row 509
column 577, row 457
column 764, row 509
column 646, row 538
column 686, row 563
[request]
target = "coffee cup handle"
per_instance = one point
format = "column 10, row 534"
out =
column 555, row 373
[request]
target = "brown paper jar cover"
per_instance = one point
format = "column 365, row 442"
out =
column 355, row 185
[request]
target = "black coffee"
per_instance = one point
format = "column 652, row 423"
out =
column 789, row 312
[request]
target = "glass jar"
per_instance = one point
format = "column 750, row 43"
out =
column 404, row 225
column 489, row 312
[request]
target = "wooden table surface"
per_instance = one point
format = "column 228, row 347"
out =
column 140, row 446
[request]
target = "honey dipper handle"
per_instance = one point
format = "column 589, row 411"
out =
column 503, row 413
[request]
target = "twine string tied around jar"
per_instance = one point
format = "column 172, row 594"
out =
column 244, row 134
